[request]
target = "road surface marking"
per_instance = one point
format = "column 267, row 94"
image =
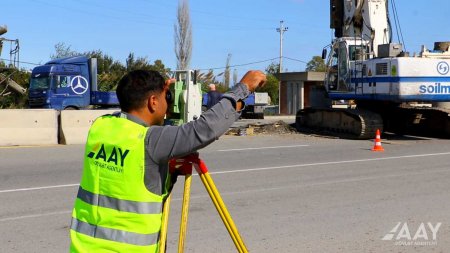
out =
column 350, row 180
column 201, row 196
column 239, row 149
column 33, row 216
column 329, row 163
column 39, row 188
column 259, row 169
column 30, row 146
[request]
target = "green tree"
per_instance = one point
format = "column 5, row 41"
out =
column 220, row 87
column 134, row 63
column 273, row 68
column 209, row 78
column 109, row 70
column 316, row 64
column 271, row 87
column 205, row 79
column 62, row 50
column 226, row 75
column 143, row 63
column 272, row 84
column 159, row 66
column 183, row 35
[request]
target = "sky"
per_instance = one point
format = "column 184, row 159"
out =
column 246, row 29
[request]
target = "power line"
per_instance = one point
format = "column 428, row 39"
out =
column 220, row 28
column 210, row 13
column 236, row 65
column 292, row 59
column 256, row 62
column 243, row 64
column 97, row 14
column 121, row 11
column 36, row 64
column 141, row 18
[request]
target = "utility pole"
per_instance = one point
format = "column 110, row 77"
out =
column 281, row 30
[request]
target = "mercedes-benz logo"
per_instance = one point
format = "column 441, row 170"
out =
column 79, row 85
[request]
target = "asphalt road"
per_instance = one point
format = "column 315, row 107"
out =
column 286, row 193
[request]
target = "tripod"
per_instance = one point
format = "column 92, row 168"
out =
column 202, row 170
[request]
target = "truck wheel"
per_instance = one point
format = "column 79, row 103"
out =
column 70, row 108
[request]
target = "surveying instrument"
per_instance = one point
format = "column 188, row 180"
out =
column 187, row 106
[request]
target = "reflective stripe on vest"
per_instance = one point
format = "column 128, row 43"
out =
column 114, row 234
column 119, row 204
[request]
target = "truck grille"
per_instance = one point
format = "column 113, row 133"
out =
column 36, row 101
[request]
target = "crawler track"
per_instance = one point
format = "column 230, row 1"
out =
column 362, row 123
column 433, row 122
column 354, row 123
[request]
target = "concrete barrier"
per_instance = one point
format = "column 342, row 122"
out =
column 28, row 127
column 75, row 124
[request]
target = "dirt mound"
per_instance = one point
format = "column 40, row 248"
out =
column 279, row 127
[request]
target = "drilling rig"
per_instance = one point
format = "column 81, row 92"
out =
column 392, row 90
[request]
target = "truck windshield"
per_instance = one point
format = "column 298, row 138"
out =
column 42, row 83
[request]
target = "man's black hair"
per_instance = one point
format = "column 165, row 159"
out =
column 135, row 87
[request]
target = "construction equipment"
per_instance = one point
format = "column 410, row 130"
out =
column 392, row 90
column 9, row 69
column 186, row 98
column 194, row 161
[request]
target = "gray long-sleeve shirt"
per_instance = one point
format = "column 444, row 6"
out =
column 165, row 142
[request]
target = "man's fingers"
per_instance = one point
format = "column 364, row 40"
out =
column 263, row 81
column 170, row 81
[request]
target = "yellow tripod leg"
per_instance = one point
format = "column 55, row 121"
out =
column 184, row 212
column 223, row 212
column 164, row 224
column 226, row 215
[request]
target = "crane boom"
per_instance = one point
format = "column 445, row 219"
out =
column 366, row 19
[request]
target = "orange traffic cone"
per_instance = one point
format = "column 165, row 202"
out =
column 377, row 146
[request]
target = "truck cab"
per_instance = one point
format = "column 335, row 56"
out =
column 254, row 105
column 68, row 83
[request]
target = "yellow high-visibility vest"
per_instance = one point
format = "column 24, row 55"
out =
column 114, row 211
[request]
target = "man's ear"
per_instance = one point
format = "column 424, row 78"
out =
column 152, row 103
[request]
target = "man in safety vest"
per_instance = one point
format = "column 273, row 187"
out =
column 126, row 176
